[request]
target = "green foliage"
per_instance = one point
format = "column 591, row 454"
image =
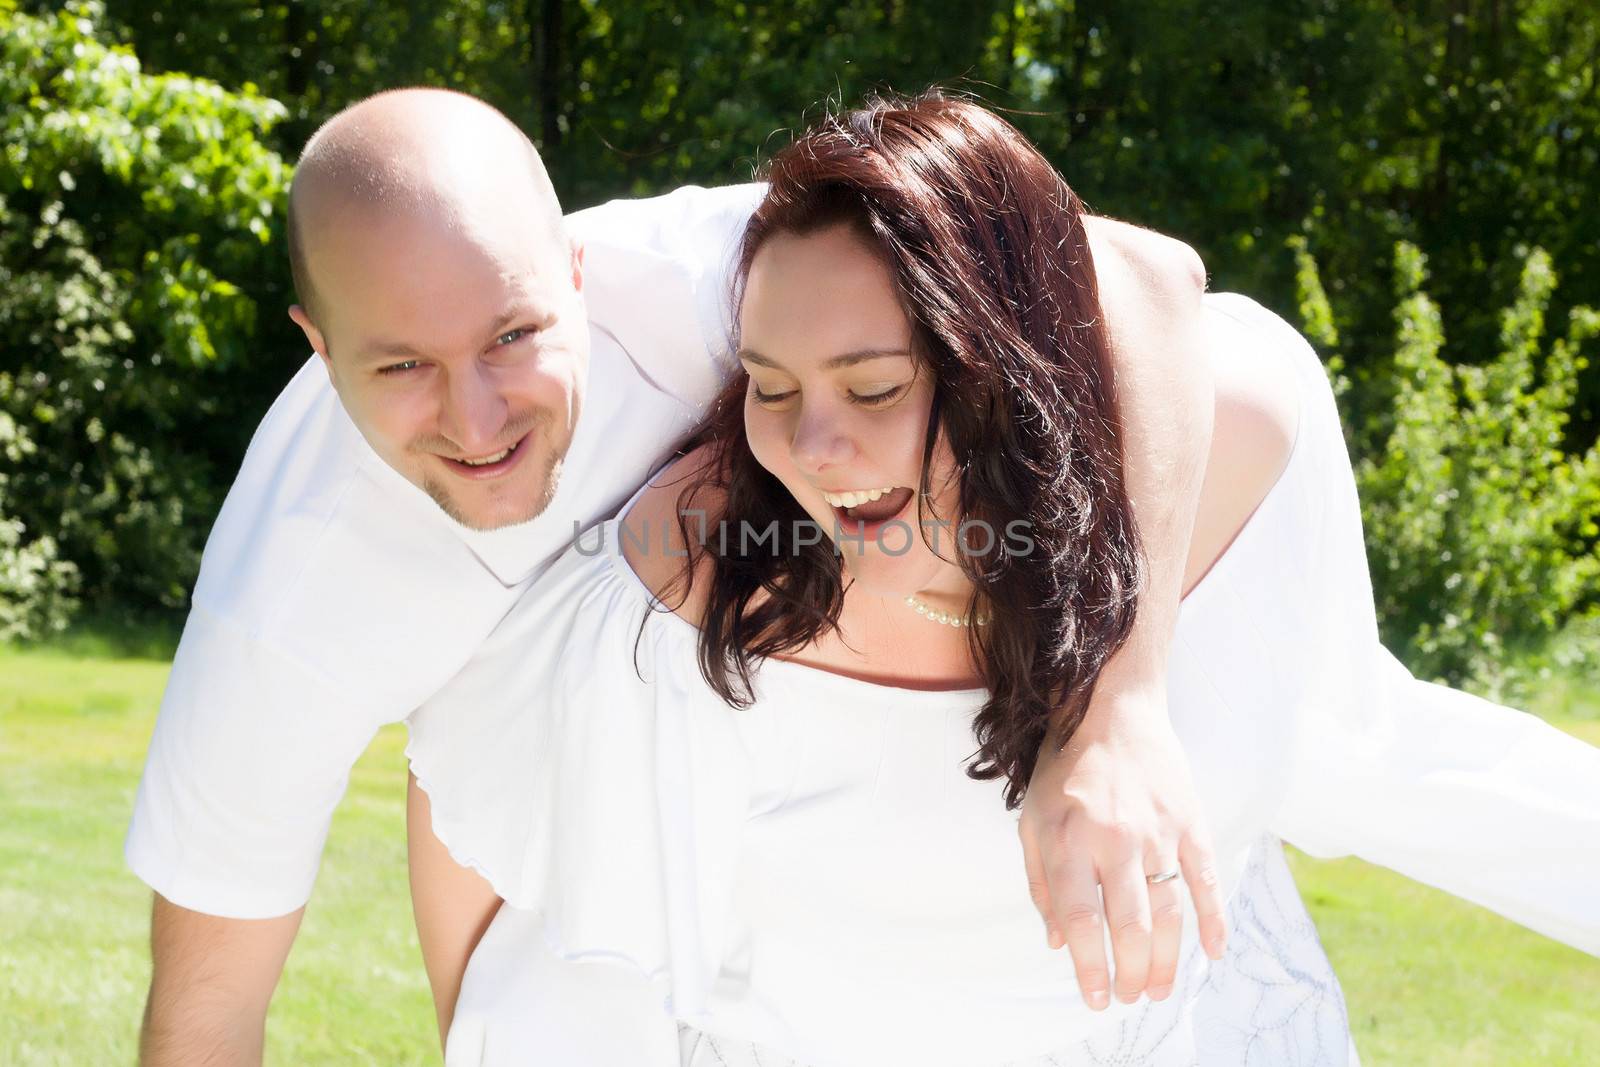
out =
column 36, row 585
column 1480, row 526
column 1465, row 129
column 134, row 210
column 1560, row 680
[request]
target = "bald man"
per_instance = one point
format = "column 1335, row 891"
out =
column 488, row 379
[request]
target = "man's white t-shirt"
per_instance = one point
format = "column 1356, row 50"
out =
column 334, row 596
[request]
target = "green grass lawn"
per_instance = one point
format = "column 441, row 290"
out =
column 1429, row 979
column 74, row 956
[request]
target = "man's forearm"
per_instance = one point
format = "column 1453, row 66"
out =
column 177, row 1034
column 1166, row 407
column 211, row 981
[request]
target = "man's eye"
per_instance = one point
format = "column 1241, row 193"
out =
column 400, row 368
column 876, row 399
column 512, row 336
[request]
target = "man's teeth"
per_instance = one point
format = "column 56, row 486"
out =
column 496, row 458
column 856, row 498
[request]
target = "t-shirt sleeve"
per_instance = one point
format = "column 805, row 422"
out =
column 333, row 597
column 658, row 276
column 251, row 753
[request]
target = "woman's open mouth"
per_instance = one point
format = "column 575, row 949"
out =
column 865, row 513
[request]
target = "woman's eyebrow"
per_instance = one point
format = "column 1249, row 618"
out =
column 847, row 359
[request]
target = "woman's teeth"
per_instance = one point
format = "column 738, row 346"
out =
column 496, row 458
column 855, row 498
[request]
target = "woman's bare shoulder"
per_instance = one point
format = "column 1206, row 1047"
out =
column 678, row 501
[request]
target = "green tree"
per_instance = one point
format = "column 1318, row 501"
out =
column 1462, row 126
column 1480, row 525
column 134, row 210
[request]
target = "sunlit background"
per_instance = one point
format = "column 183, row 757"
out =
column 1415, row 185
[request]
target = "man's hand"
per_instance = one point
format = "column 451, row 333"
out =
column 210, row 983
column 1114, row 807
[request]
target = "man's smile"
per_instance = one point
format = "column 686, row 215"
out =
column 490, row 466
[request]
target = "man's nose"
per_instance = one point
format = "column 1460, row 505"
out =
column 819, row 440
column 474, row 411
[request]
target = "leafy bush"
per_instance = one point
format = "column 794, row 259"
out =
column 132, row 207
column 1480, row 526
column 36, row 586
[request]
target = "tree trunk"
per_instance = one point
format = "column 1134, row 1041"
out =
column 547, row 58
column 296, row 61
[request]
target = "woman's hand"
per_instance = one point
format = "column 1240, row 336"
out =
column 1115, row 807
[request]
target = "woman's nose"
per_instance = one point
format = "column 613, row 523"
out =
column 819, row 441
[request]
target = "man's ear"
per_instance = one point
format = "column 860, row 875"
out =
column 302, row 319
column 577, row 265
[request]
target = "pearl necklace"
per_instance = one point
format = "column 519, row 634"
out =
column 948, row 618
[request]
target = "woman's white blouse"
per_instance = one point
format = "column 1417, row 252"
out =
column 816, row 875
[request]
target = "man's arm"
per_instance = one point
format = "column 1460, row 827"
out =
column 1117, row 803
column 453, row 907
column 210, row 984
column 249, row 757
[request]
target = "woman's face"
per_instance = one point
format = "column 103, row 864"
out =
column 838, row 406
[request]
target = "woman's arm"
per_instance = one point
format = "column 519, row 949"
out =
column 654, row 543
column 453, row 907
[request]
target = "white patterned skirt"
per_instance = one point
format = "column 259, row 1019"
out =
column 1272, row 1001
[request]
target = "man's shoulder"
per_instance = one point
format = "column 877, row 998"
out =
column 637, row 221
column 658, row 280
column 296, row 469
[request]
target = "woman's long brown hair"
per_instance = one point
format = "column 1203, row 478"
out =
column 987, row 245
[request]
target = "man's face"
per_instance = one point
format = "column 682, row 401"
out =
column 460, row 351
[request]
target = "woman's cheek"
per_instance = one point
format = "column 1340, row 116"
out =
column 763, row 434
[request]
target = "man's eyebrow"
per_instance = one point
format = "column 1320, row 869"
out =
column 388, row 350
column 847, row 359
column 521, row 311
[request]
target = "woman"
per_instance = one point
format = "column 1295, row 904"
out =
column 733, row 730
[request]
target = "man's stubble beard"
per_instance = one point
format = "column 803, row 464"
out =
column 553, row 460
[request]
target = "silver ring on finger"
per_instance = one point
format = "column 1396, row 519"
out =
column 1164, row 876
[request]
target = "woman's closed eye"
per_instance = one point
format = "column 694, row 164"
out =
column 879, row 398
column 876, row 399
column 768, row 398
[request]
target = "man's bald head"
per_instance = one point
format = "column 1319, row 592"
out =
column 412, row 152
column 443, row 297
